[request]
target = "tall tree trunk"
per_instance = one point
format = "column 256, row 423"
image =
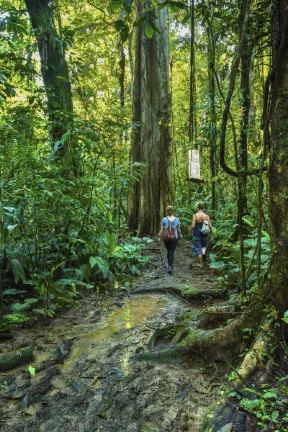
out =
column 244, row 124
column 278, row 169
column 53, row 65
column 121, row 80
column 192, row 110
column 212, row 109
column 151, row 142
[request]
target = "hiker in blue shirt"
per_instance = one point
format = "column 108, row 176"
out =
column 200, row 237
column 170, row 227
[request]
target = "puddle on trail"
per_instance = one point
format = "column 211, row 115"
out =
column 134, row 313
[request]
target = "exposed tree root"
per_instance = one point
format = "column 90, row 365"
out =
column 6, row 335
column 255, row 356
column 185, row 292
column 11, row 359
column 175, row 332
column 207, row 341
column 216, row 314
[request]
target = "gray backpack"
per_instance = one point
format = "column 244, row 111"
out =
column 205, row 230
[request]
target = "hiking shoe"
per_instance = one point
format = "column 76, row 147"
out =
column 170, row 269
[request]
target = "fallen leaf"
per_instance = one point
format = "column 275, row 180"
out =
column 26, row 401
column 76, row 386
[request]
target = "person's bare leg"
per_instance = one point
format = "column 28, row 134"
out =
column 204, row 254
column 200, row 260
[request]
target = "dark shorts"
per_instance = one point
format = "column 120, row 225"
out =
column 199, row 243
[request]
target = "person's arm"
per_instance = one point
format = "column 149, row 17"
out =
column 179, row 230
column 193, row 223
column 161, row 229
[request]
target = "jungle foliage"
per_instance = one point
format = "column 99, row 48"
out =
column 66, row 173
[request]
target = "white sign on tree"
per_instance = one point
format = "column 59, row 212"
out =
column 194, row 164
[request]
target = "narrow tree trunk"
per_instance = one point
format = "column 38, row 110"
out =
column 121, row 79
column 244, row 125
column 151, row 142
column 53, row 65
column 278, row 169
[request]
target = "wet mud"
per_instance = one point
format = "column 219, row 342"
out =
column 86, row 379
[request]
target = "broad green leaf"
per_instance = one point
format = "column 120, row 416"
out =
column 149, row 31
column 17, row 270
column 274, row 416
column 19, row 306
column 15, row 317
column 269, row 394
column 92, row 261
column 12, row 227
column 13, row 291
column 31, row 300
column 249, row 404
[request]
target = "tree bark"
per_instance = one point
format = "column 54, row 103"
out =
column 212, row 109
column 278, row 168
column 53, row 65
column 192, row 111
column 152, row 141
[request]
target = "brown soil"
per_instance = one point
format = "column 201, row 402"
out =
column 85, row 380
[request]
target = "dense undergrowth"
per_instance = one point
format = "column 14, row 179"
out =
column 63, row 228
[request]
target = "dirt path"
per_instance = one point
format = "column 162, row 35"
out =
column 85, row 380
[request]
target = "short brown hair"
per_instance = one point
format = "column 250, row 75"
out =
column 169, row 208
column 201, row 205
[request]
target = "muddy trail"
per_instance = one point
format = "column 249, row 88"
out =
column 86, row 379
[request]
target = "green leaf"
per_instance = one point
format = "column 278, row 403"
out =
column 31, row 300
column 115, row 4
column 186, row 18
column 285, row 378
column 147, row 239
column 249, row 404
column 86, row 271
column 12, row 227
column 127, row 5
column 32, row 371
column 92, row 261
column 19, row 306
column 17, row 270
column 118, row 25
column 15, row 318
column 40, row 311
column 274, row 416
column 13, row 291
column 266, row 234
column 247, row 221
column 269, row 394
column 149, row 31
column 124, row 33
